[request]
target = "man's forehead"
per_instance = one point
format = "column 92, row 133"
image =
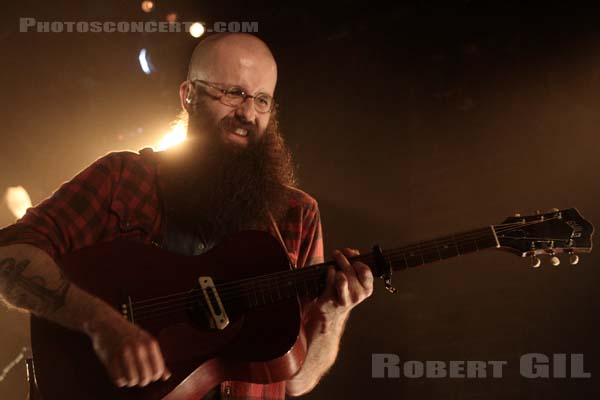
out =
column 244, row 61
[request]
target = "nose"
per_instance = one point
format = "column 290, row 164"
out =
column 246, row 110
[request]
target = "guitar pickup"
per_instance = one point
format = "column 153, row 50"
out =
column 219, row 317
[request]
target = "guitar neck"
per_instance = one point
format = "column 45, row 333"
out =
column 310, row 281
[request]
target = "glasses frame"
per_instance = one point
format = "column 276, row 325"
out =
column 244, row 95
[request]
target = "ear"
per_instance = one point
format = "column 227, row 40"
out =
column 186, row 94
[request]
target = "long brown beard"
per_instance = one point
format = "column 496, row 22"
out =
column 225, row 189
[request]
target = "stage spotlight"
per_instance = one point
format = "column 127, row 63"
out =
column 18, row 201
column 175, row 136
column 196, row 29
column 145, row 63
column 147, row 5
column 171, row 17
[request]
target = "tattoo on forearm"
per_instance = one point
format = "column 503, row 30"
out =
column 30, row 292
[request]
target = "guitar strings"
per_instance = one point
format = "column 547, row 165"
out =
column 226, row 287
column 269, row 277
column 262, row 297
column 305, row 273
column 464, row 238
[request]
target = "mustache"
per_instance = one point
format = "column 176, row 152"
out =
column 231, row 124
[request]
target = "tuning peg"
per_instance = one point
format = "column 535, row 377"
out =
column 535, row 262
column 573, row 259
column 555, row 261
column 517, row 215
column 537, row 212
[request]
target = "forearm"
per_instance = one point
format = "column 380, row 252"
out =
column 31, row 281
column 323, row 337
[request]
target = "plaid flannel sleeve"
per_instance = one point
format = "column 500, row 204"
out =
column 73, row 217
column 311, row 239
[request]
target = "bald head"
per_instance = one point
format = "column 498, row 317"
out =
column 234, row 58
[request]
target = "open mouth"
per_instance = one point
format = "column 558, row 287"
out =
column 238, row 135
column 241, row 132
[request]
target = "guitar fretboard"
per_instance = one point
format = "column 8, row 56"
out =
column 310, row 281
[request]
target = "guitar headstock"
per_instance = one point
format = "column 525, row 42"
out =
column 551, row 233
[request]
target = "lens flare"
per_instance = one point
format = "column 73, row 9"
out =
column 171, row 17
column 18, row 201
column 175, row 136
column 196, row 29
column 144, row 62
column 147, row 5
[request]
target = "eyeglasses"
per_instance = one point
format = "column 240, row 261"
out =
column 236, row 96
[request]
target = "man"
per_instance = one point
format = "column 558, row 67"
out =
column 233, row 173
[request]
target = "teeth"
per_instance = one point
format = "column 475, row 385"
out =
column 241, row 132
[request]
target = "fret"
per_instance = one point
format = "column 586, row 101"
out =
column 404, row 259
column 448, row 251
column 306, row 289
column 258, row 291
column 245, row 299
column 399, row 260
column 467, row 247
column 455, row 245
column 289, row 286
column 431, row 255
column 278, row 291
column 413, row 259
column 316, row 286
column 262, row 292
column 487, row 242
column 270, row 290
column 437, row 248
column 255, row 295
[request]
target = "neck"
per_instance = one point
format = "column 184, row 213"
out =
column 309, row 282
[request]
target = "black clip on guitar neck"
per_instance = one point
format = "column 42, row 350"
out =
column 383, row 268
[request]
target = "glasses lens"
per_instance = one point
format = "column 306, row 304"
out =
column 233, row 97
column 263, row 103
column 236, row 96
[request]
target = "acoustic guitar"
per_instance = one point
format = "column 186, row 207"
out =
column 234, row 312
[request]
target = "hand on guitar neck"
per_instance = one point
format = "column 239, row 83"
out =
column 346, row 287
column 325, row 318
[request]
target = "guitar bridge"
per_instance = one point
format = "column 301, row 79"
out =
column 213, row 301
column 127, row 310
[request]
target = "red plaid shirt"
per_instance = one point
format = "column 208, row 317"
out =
column 118, row 196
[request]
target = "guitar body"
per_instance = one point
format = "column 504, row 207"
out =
column 264, row 341
column 262, row 345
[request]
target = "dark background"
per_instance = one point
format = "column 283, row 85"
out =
column 407, row 122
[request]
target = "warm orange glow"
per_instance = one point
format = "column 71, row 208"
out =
column 17, row 200
column 175, row 136
column 147, row 5
column 171, row 17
